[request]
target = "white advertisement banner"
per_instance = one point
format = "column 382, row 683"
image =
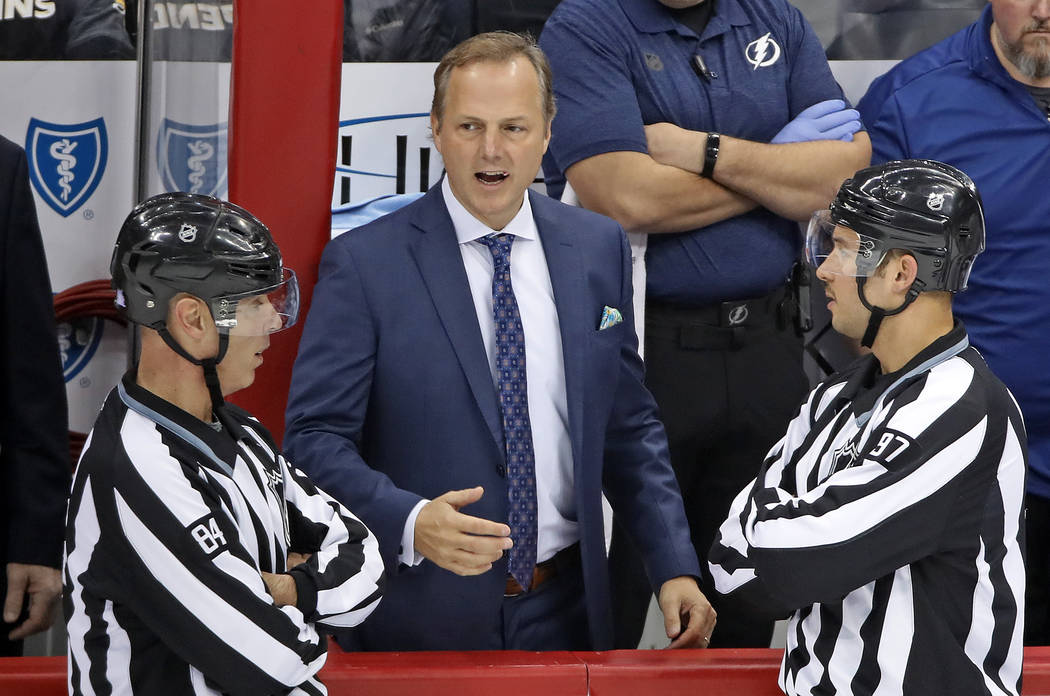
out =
column 384, row 144
column 76, row 121
column 189, row 127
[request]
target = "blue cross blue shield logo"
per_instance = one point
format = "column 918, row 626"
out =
column 66, row 161
column 78, row 340
column 192, row 158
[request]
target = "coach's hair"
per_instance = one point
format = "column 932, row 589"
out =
column 495, row 47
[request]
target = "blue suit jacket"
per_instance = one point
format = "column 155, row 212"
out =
column 392, row 399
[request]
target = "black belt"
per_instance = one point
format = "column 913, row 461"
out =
column 722, row 325
column 545, row 571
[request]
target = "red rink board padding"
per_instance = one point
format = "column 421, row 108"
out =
column 508, row 673
column 621, row 672
column 33, row 676
column 683, row 672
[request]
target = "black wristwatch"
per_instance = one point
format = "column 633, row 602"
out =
column 711, row 154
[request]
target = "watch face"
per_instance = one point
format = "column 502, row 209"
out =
column 711, row 153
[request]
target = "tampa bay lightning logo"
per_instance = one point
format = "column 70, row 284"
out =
column 77, row 342
column 66, row 161
column 762, row 52
column 192, row 158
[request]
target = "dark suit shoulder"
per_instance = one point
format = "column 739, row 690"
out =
column 10, row 154
column 551, row 206
column 402, row 225
column 581, row 221
column 428, row 215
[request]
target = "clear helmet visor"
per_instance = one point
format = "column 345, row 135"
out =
column 839, row 249
column 259, row 312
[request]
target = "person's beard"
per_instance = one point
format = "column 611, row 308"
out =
column 1033, row 63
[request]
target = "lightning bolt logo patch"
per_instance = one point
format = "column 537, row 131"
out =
column 762, row 52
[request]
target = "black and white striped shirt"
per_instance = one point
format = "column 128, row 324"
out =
column 170, row 524
column 887, row 522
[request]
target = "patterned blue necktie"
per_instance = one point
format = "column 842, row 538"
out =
column 514, row 407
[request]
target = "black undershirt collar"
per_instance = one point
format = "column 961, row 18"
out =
column 695, row 17
column 1042, row 98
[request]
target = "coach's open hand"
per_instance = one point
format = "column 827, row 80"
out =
column 463, row 544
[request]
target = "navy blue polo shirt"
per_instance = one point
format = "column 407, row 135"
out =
column 622, row 64
column 955, row 102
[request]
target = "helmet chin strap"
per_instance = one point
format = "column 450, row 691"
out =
column 211, row 373
column 878, row 313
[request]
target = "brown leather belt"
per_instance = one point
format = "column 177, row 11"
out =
column 541, row 573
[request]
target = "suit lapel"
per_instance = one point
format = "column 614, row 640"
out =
column 440, row 263
column 566, row 271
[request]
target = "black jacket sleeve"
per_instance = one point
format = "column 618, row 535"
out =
column 34, row 449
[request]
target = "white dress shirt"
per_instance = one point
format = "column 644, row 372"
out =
column 544, row 367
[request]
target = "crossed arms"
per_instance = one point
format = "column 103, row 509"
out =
column 663, row 192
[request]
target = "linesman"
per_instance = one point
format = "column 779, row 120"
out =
column 198, row 560
column 887, row 521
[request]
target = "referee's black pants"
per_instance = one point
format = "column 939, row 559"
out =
column 727, row 389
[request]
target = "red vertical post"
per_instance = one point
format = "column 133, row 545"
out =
column 284, row 121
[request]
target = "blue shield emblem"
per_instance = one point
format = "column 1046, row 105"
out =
column 78, row 341
column 66, row 162
column 192, row 158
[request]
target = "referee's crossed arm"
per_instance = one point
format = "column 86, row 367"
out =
column 161, row 562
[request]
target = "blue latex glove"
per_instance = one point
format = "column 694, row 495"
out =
column 826, row 120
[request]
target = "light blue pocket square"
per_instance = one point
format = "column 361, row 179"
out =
column 610, row 318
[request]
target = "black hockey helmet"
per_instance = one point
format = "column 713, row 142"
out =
column 188, row 243
column 927, row 209
column 209, row 248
